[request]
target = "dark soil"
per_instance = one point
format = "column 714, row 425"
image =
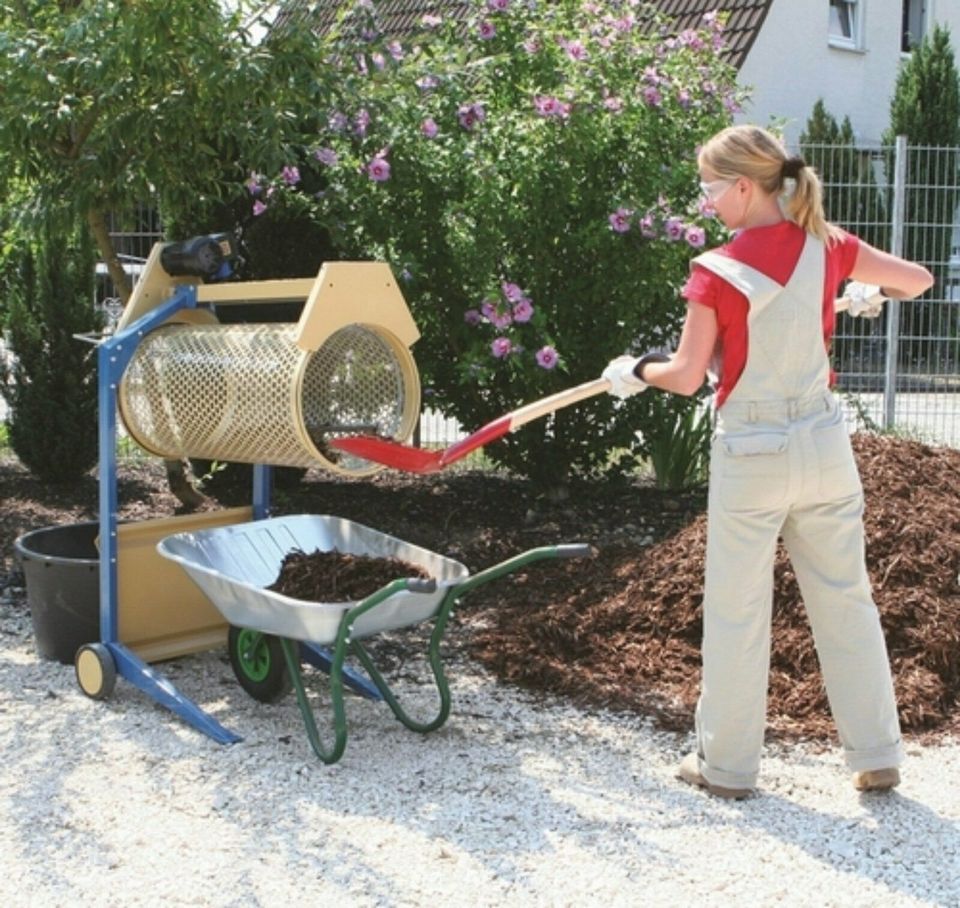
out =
column 338, row 576
column 622, row 629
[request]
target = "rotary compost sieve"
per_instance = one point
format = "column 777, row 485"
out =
column 277, row 393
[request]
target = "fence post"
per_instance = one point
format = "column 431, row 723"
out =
column 893, row 306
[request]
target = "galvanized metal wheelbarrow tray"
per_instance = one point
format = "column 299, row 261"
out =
column 233, row 565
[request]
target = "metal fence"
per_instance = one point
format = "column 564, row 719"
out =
column 899, row 372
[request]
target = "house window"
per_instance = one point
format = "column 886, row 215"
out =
column 845, row 27
column 912, row 32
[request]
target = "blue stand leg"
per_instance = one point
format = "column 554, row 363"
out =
column 320, row 657
column 155, row 685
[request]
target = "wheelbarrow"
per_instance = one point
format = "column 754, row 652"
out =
column 233, row 565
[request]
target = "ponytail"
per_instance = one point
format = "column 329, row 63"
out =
column 804, row 206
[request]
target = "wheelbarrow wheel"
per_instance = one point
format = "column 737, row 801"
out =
column 96, row 670
column 259, row 665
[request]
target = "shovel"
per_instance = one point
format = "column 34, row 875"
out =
column 420, row 460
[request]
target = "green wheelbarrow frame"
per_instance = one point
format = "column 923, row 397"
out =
column 345, row 645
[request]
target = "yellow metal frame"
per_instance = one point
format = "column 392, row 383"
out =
column 341, row 294
column 161, row 612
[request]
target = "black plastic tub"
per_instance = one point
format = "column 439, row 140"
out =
column 61, row 567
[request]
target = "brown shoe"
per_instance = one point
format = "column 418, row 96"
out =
column 689, row 771
column 876, row 779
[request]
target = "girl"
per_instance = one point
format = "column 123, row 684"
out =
column 761, row 314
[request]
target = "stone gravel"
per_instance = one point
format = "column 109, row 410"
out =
column 517, row 800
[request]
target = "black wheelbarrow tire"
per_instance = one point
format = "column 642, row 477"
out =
column 259, row 664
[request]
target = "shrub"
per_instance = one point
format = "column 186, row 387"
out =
column 531, row 177
column 926, row 109
column 51, row 387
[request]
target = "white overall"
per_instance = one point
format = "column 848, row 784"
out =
column 781, row 465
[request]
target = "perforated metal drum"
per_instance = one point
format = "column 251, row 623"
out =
column 248, row 393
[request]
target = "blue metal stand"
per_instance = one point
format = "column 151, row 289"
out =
column 113, row 356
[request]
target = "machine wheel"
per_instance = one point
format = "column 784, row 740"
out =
column 96, row 670
column 258, row 663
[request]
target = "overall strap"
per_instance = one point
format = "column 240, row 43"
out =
column 754, row 285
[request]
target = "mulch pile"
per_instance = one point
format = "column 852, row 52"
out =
column 335, row 576
column 624, row 631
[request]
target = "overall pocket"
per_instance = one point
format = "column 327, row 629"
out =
column 838, row 475
column 751, row 470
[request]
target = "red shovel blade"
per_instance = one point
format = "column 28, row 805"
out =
column 418, row 460
column 390, row 453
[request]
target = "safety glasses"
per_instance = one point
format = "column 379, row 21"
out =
column 714, row 190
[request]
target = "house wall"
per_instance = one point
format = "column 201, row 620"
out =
column 792, row 64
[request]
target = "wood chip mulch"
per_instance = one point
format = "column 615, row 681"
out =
column 625, row 633
column 335, row 576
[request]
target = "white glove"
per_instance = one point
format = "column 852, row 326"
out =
column 623, row 382
column 862, row 300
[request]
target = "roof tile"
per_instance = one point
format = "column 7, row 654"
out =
column 399, row 18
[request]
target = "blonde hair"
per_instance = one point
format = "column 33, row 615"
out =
column 754, row 153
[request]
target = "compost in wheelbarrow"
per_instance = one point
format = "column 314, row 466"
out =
column 334, row 576
column 234, row 565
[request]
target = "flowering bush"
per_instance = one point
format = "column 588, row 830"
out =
column 532, row 180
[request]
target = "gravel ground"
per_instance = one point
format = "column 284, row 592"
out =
column 518, row 800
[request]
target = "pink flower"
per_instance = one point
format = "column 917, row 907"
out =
column 472, row 316
column 575, row 50
column 326, row 156
column 620, row 220
column 549, row 106
column 378, row 169
column 361, row 123
column 501, row 320
column 486, row 30
column 253, row 184
column 290, row 175
column 511, row 292
column 547, row 357
column 674, row 229
column 501, row 347
column 430, row 21
column 498, row 6
column 523, row 311
column 488, row 309
column 691, row 39
column 695, row 236
column 258, row 208
column 652, row 96
column 429, row 128
column 470, row 115
column 647, row 227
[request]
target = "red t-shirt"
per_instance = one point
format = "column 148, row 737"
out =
column 773, row 251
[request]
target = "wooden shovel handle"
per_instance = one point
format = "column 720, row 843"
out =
column 557, row 401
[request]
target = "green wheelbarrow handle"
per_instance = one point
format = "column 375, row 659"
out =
column 570, row 550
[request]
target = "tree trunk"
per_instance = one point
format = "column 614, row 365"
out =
column 97, row 221
column 178, row 474
column 181, row 484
